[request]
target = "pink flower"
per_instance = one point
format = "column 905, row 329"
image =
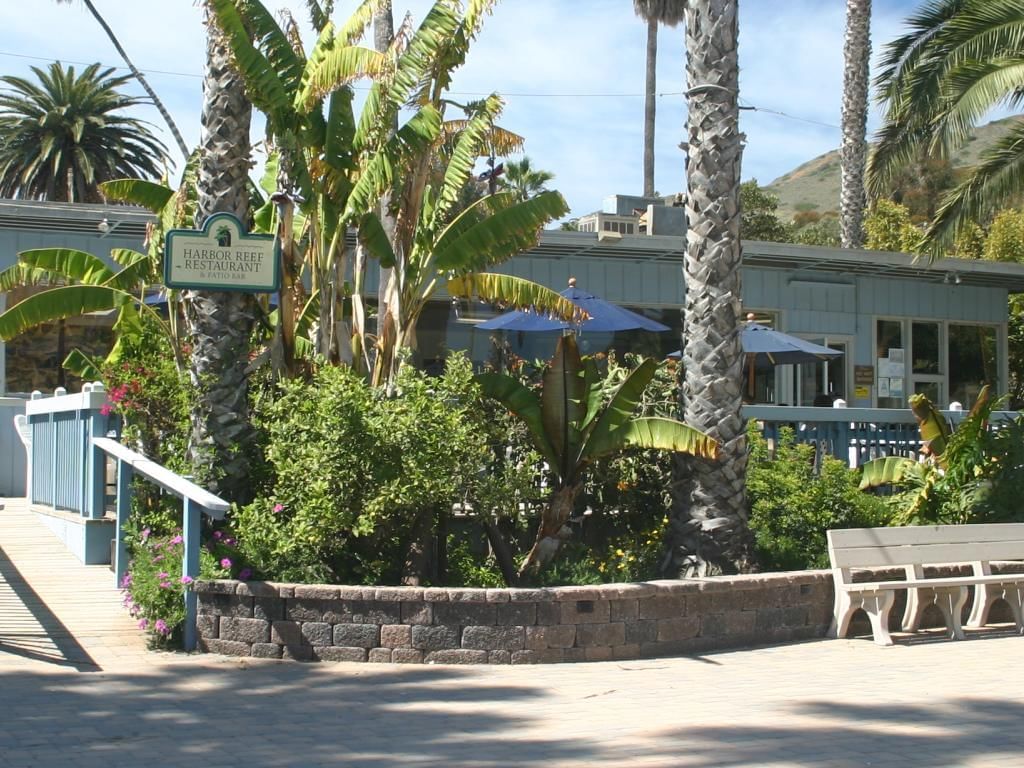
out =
column 245, row 574
column 158, row 558
column 187, row 579
column 106, row 409
column 218, row 535
column 163, row 575
column 177, row 540
column 230, row 542
column 225, row 563
column 279, row 507
column 143, row 623
column 145, row 533
column 161, row 627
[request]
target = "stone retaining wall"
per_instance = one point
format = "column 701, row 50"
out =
column 510, row 626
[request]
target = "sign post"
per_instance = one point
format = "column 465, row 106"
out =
column 222, row 256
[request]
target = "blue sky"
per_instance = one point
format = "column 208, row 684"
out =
column 571, row 72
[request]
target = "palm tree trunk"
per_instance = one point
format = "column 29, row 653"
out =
column 853, row 152
column 650, row 107
column 713, row 498
column 383, row 33
column 219, row 323
column 142, row 80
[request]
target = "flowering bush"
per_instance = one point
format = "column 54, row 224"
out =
column 154, row 587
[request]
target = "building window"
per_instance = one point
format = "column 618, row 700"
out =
column 890, row 362
column 973, row 361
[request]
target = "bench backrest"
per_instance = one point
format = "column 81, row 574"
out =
column 925, row 544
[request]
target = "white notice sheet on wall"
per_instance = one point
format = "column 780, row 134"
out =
column 883, row 386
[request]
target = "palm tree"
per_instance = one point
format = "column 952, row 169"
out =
column 708, row 531
column 62, row 136
column 219, row 323
column 960, row 59
column 670, row 13
column 853, row 152
column 525, row 180
column 137, row 75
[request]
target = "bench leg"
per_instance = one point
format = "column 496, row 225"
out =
column 842, row 612
column 984, row 596
column 1014, row 596
column 915, row 607
column 951, row 602
column 877, row 606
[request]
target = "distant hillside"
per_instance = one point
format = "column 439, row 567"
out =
column 814, row 186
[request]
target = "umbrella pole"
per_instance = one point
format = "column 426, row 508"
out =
column 750, row 376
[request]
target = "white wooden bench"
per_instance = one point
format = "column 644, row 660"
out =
column 911, row 549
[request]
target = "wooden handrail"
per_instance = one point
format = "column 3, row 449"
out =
column 213, row 505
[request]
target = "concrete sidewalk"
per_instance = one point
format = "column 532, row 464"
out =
column 825, row 703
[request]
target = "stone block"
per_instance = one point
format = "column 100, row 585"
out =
column 682, row 628
column 456, row 656
column 268, row 608
column 519, row 595
column 590, row 635
column 317, row 633
column 516, row 614
column 356, row 635
column 315, row 592
column 334, row 653
column 768, row 620
column 417, row 612
column 663, row 607
column 373, row 612
column 712, row 625
column 643, row 631
column 434, row 638
column 795, row 616
column 585, row 612
column 467, row 595
column 396, row 636
column 493, row 638
column 542, row 638
column 225, row 605
column 226, row 647
column 406, row 656
column 598, row 653
column 463, row 613
column 740, row 624
column 257, row 589
column 286, row 633
column 266, row 650
column 379, row 656
column 397, row 594
column 548, row 655
column 206, row 626
column 574, row 594
column 498, row 596
column 698, row 604
column 298, row 609
column 524, row 657
column 499, row 657
column 297, row 652
column 216, row 586
column 628, row 651
column 355, row 593
column 573, row 655
column 244, row 630
column 549, row 614
column 435, row 595
column 624, row 610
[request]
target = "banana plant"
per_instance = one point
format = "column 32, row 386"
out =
column 946, row 485
column 571, row 426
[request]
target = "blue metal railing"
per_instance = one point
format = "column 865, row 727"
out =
column 69, row 450
column 852, row 435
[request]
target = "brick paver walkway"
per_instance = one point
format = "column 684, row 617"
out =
column 825, row 703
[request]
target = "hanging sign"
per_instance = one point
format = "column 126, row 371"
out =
column 221, row 256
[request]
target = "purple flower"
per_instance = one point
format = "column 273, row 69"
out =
column 177, row 540
column 145, row 533
column 163, row 575
column 230, row 542
column 161, row 627
column 165, row 585
column 218, row 535
column 279, row 507
column 143, row 623
column 225, row 563
column 126, row 580
column 187, row 579
column 245, row 574
column 106, row 409
column 158, row 558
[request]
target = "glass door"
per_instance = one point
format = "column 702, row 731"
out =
column 926, row 361
column 822, row 383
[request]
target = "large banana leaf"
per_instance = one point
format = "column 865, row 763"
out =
column 421, row 56
column 620, row 409
column 355, row 27
column 375, row 239
column 563, row 402
column 147, row 194
column 499, row 142
column 932, row 425
column 69, row 263
column 467, row 148
column 887, row 470
column 18, row 275
column 339, row 136
column 57, row 304
column 516, row 292
column 501, row 236
column 524, row 404
column 656, row 432
column 82, row 366
column 337, row 66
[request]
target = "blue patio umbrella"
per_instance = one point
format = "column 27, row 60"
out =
column 604, row 316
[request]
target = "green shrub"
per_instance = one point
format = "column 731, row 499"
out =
column 792, row 505
column 352, row 473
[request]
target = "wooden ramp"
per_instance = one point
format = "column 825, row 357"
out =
column 53, row 609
